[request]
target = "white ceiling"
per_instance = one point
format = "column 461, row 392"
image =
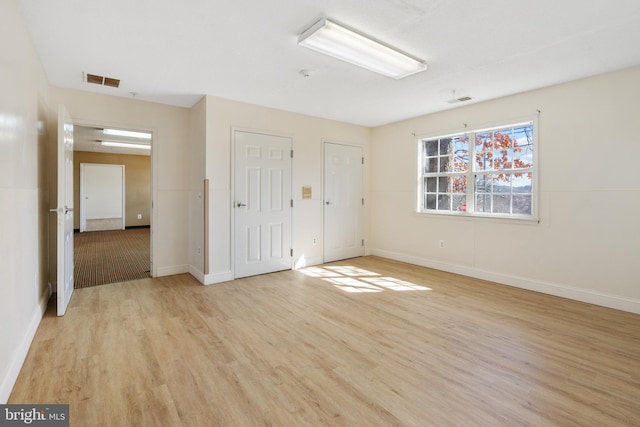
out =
column 174, row 52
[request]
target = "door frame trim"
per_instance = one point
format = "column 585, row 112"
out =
column 232, row 237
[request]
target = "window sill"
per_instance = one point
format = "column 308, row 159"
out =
column 481, row 217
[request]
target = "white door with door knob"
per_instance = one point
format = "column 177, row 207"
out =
column 261, row 203
column 343, row 202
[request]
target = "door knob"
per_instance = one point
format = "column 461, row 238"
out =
column 240, row 205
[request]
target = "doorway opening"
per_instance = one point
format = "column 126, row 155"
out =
column 112, row 193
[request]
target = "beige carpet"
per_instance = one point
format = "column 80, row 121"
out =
column 102, row 257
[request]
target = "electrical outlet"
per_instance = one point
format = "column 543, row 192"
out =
column 198, row 251
column 441, row 244
column 139, row 216
column 315, row 241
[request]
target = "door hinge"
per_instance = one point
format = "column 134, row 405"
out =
column 363, row 201
column 291, row 252
column 292, row 154
column 363, row 160
column 362, row 242
column 291, row 202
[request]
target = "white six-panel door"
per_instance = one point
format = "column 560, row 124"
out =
column 343, row 202
column 64, row 211
column 261, row 203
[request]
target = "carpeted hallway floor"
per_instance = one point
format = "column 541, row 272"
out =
column 102, row 257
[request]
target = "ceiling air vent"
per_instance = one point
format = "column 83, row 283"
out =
column 108, row 81
column 461, row 99
column 102, row 81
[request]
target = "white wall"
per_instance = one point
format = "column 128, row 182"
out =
column 587, row 243
column 197, row 159
column 24, row 107
column 308, row 135
column 170, row 164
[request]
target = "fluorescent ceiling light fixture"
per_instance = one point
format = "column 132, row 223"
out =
column 332, row 39
column 126, row 145
column 127, row 133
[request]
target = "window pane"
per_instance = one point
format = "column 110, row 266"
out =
column 444, row 202
column 460, row 153
column 502, row 139
column 459, row 184
column 523, row 136
column 459, row 202
column 522, row 158
column 430, row 201
column 483, row 142
column 501, row 204
column 431, row 184
column 443, row 184
column 484, row 160
column 445, row 164
column 522, row 204
column 445, row 146
column 483, row 183
column 483, row 203
column 502, row 183
column 523, row 143
column 431, row 165
column 521, row 183
column 431, row 148
column 500, row 158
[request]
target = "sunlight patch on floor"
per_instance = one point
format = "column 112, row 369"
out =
column 354, row 279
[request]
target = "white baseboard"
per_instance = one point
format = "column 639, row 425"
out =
column 21, row 350
column 597, row 298
column 220, row 277
column 195, row 272
column 210, row 279
column 171, row 270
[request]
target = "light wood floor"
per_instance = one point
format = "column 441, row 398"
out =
column 296, row 349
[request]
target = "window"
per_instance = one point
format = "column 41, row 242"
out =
column 484, row 172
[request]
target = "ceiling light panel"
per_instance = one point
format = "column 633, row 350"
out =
column 125, row 145
column 127, row 133
column 335, row 40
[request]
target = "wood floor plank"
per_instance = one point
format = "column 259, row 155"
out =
column 366, row 341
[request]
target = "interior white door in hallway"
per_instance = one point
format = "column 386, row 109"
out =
column 102, row 197
column 343, row 202
column 64, row 211
column 261, row 203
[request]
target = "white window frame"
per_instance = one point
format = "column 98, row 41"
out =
column 471, row 172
